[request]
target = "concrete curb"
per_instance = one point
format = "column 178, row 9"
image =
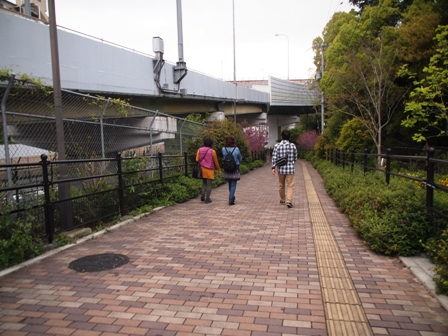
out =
column 423, row 270
column 79, row 241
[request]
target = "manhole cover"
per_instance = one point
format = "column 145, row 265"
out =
column 98, row 262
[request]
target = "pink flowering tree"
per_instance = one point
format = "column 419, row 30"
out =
column 256, row 136
column 307, row 140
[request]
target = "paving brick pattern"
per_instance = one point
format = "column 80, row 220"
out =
column 214, row 269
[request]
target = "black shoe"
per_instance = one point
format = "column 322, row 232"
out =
column 208, row 201
column 282, row 202
column 202, row 198
column 232, row 202
column 289, row 205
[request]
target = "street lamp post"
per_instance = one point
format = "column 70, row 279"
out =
column 234, row 64
column 287, row 38
column 322, row 47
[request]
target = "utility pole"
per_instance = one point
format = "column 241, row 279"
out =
column 57, row 96
column 63, row 188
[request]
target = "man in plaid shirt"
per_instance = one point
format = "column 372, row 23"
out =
column 285, row 173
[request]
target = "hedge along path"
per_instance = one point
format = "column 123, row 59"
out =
column 343, row 309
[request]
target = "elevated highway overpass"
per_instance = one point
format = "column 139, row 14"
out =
column 92, row 66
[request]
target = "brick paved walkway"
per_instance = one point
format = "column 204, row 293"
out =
column 256, row 268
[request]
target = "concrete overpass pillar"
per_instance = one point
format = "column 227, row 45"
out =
column 275, row 123
column 217, row 116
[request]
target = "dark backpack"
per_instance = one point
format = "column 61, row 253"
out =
column 229, row 164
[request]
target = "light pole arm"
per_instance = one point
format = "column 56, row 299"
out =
column 287, row 39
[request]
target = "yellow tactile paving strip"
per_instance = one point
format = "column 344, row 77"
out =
column 343, row 310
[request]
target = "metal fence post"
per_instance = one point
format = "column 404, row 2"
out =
column 186, row 163
column 429, row 182
column 120, row 184
column 5, row 130
column 388, row 151
column 365, row 161
column 48, row 207
column 103, row 152
column 160, row 168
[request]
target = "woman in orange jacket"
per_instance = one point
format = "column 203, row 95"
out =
column 208, row 159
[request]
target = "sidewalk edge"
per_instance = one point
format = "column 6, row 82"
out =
column 423, row 270
column 50, row 253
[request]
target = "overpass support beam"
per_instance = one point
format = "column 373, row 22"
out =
column 275, row 123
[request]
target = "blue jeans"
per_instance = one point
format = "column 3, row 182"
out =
column 232, row 189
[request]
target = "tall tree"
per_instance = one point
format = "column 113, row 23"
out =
column 428, row 104
column 416, row 34
column 362, row 4
column 361, row 69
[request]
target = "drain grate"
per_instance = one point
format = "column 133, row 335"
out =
column 98, row 262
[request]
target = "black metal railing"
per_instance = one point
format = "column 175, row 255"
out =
column 97, row 189
column 385, row 163
column 92, row 191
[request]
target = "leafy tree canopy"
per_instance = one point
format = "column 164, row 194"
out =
column 362, row 4
column 416, row 33
column 427, row 106
column 217, row 131
column 359, row 79
column 354, row 136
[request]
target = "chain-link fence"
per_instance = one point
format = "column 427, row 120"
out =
column 95, row 130
column 94, row 127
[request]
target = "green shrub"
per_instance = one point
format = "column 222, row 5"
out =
column 391, row 219
column 87, row 206
column 61, row 240
column 181, row 189
column 175, row 193
column 16, row 240
column 394, row 233
column 436, row 249
column 219, row 179
column 217, row 131
column 244, row 169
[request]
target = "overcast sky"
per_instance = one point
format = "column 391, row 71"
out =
column 208, row 31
